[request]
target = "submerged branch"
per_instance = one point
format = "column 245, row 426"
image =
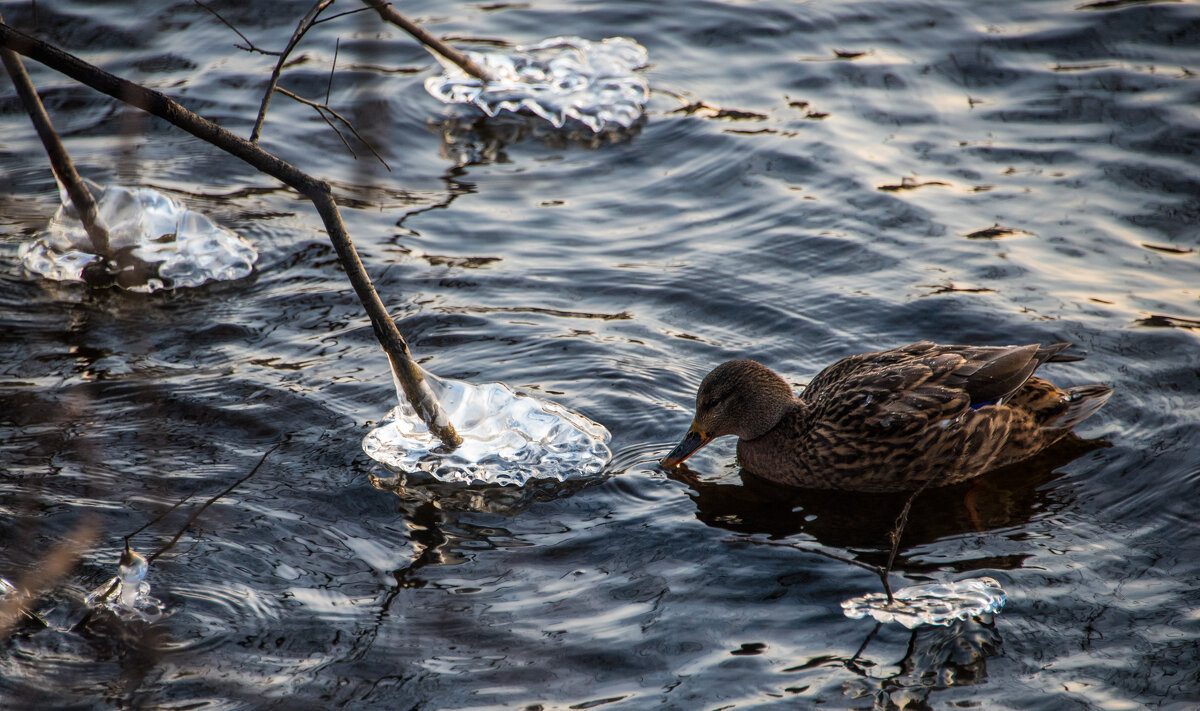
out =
column 317, row 191
column 432, row 43
column 60, row 161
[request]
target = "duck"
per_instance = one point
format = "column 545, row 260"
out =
column 925, row 414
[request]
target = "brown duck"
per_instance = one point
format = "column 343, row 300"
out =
column 891, row 420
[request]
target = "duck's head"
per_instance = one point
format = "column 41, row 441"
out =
column 740, row 397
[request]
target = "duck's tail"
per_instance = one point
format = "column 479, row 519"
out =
column 1082, row 403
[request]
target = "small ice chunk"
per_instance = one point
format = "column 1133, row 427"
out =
column 508, row 438
column 128, row 595
column 930, row 604
column 558, row 78
column 157, row 243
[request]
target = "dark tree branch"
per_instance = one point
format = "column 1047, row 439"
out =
column 432, row 43
column 412, row 381
column 60, row 161
column 306, row 23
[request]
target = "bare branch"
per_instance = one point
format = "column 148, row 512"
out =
column 60, row 161
column 897, row 531
column 306, row 23
column 431, row 43
column 331, row 18
column 412, row 380
column 332, row 68
column 210, row 502
column 322, row 109
column 249, row 47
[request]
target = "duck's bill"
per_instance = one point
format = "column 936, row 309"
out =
column 691, row 442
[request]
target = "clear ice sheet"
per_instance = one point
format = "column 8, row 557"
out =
column 128, row 595
column 559, row 78
column 930, row 604
column 184, row 247
column 508, row 438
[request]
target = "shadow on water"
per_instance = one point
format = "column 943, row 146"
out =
column 862, row 522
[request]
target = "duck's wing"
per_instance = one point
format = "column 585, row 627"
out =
column 920, row 385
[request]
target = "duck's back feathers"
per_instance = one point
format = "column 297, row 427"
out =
column 892, row 419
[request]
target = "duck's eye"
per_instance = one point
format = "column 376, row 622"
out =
column 710, row 403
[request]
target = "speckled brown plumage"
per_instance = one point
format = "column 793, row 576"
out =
column 889, row 421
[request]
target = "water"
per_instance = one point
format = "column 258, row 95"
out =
column 760, row 210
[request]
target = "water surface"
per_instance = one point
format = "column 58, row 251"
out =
column 812, row 180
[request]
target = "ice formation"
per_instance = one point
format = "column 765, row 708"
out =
column 508, row 438
column 930, row 604
column 557, row 79
column 157, row 243
column 128, row 595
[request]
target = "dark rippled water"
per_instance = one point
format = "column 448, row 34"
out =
column 838, row 194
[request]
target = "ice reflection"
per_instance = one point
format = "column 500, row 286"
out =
column 930, row 604
column 157, row 243
column 558, row 79
column 128, row 595
column 508, row 438
column 936, row 658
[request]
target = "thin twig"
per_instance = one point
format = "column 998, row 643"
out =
column 331, row 18
column 158, row 518
column 322, row 109
column 60, row 161
column 305, row 25
column 896, row 532
column 795, row 546
column 249, row 45
column 333, row 67
column 432, row 43
column 412, row 380
column 339, row 134
column 210, row 502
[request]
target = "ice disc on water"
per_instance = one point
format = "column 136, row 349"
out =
column 508, row 438
column 157, row 242
column 557, row 79
column 931, row 604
